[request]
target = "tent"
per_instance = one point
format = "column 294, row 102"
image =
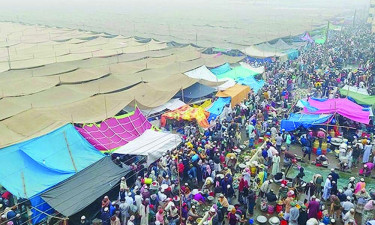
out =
column 205, row 74
column 238, row 72
column 188, row 113
column 259, row 60
column 342, row 106
column 80, row 190
column 30, row 167
column 115, row 132
column 306, row 120
column 221, row 69
column 237, row 93
column 197, row 90
column 255, row 69
column 250, row 81
column 171, row 105
column 151, row 144
column 359, row 98
column 202, row 73
column 263, row 51
column 217, row 107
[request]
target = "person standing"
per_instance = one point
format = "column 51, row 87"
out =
column 327, row 188
column 313, row 208
column 303, row 217
column 251, row 201
column 294, row 214
column 275, row 164
column 367, row 152
column 279, row 142
column 288, row 140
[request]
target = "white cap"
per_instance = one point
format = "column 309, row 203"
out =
column 228, row 186
column 329, row 176
column 332, row 169
column 313, row 196
column 348, row 198
column 212, row 209
column 362, row 179
column 352, row 210
column 365, row 165
column 122, row 178
column 340, row 190
column 106, row 209
column 83, row 217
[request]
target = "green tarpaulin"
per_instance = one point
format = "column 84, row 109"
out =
column 359, row 98
column 237, row 72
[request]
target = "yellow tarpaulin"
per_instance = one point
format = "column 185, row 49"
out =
column 188, row 113
column 204, row 105
column 237, row 93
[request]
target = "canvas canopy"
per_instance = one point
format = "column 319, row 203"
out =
column 80, row 190
column 250, row 81
column 217, row 107
column 45, row 161
column 151, row 144
column 116, row 131
column 254, row 69
column 202, row 73
column 197, row 90
column 188, row 113
column 342, row 106
column 297, row 120
column 237, row 93
column 237, row 72
column 359, row 98
column 221, row 69
column 171, row 105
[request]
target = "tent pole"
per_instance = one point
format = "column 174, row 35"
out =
column 23, row 183
column 70, row 152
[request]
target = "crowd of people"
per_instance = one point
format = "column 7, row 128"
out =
column 236, row 171
column 207, row 181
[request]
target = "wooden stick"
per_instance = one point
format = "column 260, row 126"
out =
column 334, row 125
column 70, row 153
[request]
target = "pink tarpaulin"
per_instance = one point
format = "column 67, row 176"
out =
column 342, row 106
column 115, row 132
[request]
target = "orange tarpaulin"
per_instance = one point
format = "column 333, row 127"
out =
column 237, row 93
column 188, row 113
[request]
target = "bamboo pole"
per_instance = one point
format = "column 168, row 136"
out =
column 70, row 153
column 23, row 183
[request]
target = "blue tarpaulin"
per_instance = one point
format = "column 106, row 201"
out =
column 305, row 120
column 218, row 106
column 251, row 82
column 31, row 167
column 258, row 60
column 197, row 90
column 221, row 69
column 292, row 54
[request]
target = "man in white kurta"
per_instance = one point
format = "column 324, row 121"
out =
column 275, row 164
column 327, row 188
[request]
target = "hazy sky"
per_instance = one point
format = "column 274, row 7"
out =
column 223, row 23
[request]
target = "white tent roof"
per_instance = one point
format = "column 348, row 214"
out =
column 171, row 105
column 151, row 144
column 202, row 73
column 229, row 82
column 256, row 69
